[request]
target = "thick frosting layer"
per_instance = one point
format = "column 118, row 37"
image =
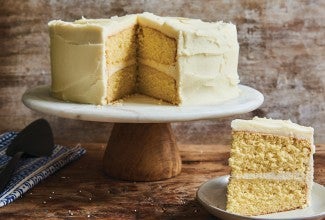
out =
column 215, row 76
column 78, row 64
column 205, row 70
column 110, row 26
column 272, row 126
column 75, row 77
column 194, row 35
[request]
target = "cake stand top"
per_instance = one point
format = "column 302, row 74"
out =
column 140, row 109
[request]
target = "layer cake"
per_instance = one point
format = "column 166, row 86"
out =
column 179, row 60
column 271, row 166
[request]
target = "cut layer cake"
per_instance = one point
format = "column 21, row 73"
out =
column 271, row 166
column 179, row 60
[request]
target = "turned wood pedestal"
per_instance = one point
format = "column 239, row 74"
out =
column 142, row 152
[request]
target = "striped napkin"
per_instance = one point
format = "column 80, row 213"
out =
column 31, row 171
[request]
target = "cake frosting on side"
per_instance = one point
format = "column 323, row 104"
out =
column 179, row 60
column 79, row 66
column 205, row 67
column 271, row 166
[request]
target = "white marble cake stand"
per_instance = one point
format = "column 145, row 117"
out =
column 142, row 146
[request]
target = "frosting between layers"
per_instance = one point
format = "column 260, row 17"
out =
column 298, row 176
column 275, row 127
column 272, row 176
column 113, row 68
column 171, row 70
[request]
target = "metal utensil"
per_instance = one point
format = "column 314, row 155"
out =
column 35, row 140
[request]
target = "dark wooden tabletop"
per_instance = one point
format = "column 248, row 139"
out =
column 82, row 190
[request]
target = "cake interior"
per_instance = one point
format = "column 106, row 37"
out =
column 269, row 173
column 132, row 57
column 263, row 196
column 263, row 153
column 121, row 66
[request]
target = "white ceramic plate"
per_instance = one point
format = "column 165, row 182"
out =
column 143, row 110
column 212, row 195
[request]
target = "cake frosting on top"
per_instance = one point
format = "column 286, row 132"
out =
column 179, row 60
column 274, row 126
column 271, row 166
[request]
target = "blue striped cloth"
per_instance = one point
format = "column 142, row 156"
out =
column 31, row 171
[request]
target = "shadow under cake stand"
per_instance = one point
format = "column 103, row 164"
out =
column 142, row 146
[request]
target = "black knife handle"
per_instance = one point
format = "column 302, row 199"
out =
column 7, row 172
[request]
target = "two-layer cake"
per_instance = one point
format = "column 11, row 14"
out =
column 179, row 60
column 271, row 166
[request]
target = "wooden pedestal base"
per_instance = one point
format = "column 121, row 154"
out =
column 142, row 152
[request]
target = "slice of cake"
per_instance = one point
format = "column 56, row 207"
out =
column 178, row 60
column 271, row 166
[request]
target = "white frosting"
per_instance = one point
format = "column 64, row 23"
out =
column 207, row 57
column 276, row 127
column 110, row 26
column 272, row 176
column 215, row 76
column 78, row 78
column 205, row 71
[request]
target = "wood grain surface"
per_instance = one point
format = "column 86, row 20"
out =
column 142, row 152
column 282, row 53
column 81, row 189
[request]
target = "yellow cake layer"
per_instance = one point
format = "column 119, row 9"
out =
column 145, row 43
column 156, row 46
column 122, row 83
column 121, row 47
column 157, row 84
column 261, row 196
column 263, row 153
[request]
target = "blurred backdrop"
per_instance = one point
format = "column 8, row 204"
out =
column 282, row 54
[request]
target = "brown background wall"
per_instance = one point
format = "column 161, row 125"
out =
column 282, row 51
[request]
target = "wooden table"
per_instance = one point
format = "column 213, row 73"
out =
column 81, row 189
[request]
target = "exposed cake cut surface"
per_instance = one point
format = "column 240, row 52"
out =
column 262, row 196
column 156, row 46
column 122, row 83
column 271, row 166
column 264, row 153
column 181, row 61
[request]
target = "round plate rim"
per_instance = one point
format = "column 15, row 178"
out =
column 39, row 99
column 232, row 215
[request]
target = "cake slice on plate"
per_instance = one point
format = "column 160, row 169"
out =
column 271, row 166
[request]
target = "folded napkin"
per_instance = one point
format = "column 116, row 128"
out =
column 31, row 171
